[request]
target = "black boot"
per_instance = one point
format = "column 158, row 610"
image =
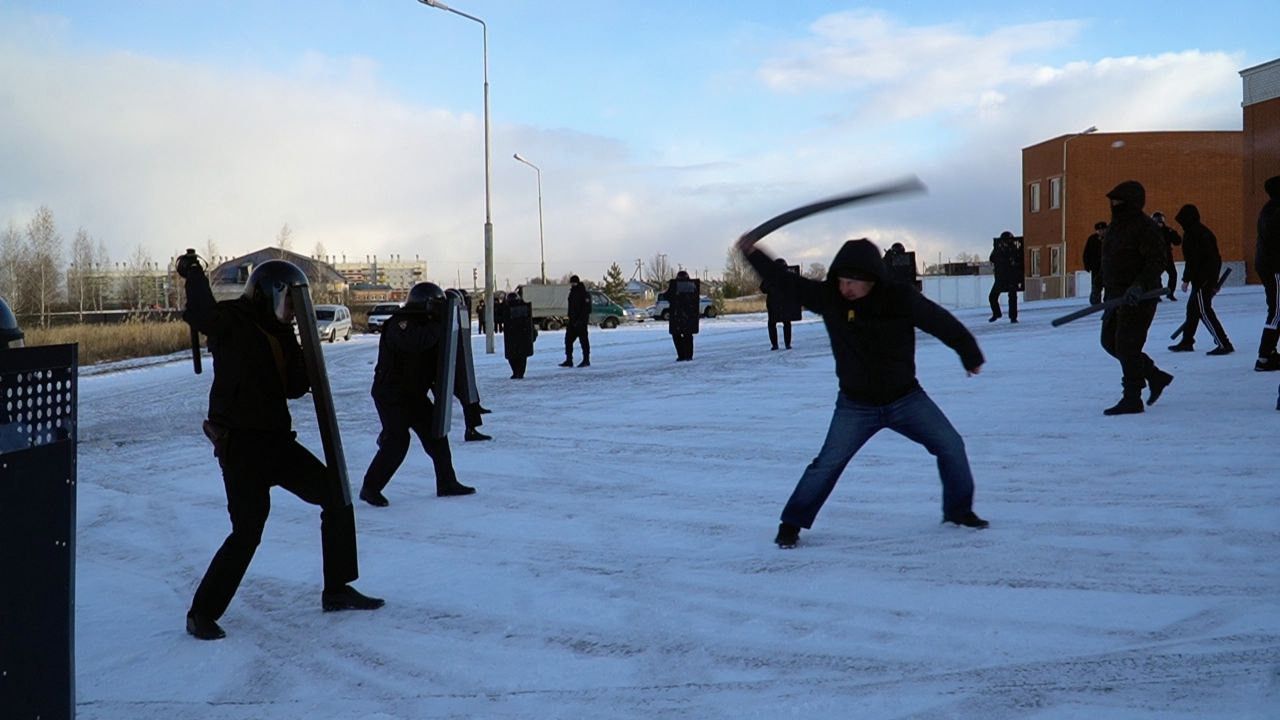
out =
column 1182, row 347
column 966, row 519
column 1222, row 350
column 474, row 435
column 1128, row 405
column 1157, row 385
column 483, row 410
column 788, row 536
column 348, row 598
column 203, row 628
column 373, row 497
column 453, row 488
column 568, row 362
column 586, row 362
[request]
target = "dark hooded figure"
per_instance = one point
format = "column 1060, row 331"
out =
column 1093, row 261
column 780, row 308
column 1133, row 256
column 518, row 336
column 682, row 317
column 1266, row 263
column 1200, row 271
column 871, row 322
column 1004, row 266
column 257, row 368
column 579, row 312
column 1171, row 240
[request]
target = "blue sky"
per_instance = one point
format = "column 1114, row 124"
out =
column 660, row 127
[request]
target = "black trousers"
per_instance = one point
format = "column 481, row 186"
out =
column 773, row 332
column 994, row 299
column 393, row 443
column 1095, row 287
column 1271, row 329
column 576, row 332
column 251, row 465
column 518, row 365
column 1200, row 305
column 1124, row 333
column 684, row 345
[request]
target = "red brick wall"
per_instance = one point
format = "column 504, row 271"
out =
column 1261, row 161
column 1203, row 168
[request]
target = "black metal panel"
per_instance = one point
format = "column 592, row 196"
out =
column 335, row 460
column 446, row 367
column 682, row 298
column 38, row 399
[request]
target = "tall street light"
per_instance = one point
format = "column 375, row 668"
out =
column 542, row 251
column 1062, row 261
column 489, row 279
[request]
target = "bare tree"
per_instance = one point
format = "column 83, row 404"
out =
column 739, row 277
column 658, row 271
column 816, row 271
column 318, row 252
column 11, row 263
column 102, row 259
column 210, row 250
column 284, row 238
column 140, row 285
column 42, row 262
column 79, row 282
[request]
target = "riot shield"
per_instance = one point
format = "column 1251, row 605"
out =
column 38, row 429
column 445, row 312
column 682, row 296
column 464, row 380
column 326, row 417
column 1017, row 270
column 517, row 334
column 902, row 267
column 788, row 307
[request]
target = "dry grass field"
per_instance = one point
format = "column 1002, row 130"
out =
column 106, row 342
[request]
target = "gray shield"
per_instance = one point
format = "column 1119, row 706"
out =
column 326, row 418
column 465, row 378
column 446, row 365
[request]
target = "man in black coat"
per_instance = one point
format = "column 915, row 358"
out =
column 1201, row 266
column 781, row 309
column 1004, row 265
column 1133, row 256
column 579, row 316
column 408, row 357
column 1093, row 261
column 1171, row 240
column 871, row 322
column 257, row 368
column 683, row 306
column 1266, row 263
column 518, row 335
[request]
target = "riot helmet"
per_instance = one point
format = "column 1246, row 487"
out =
column 453, row 293
column 513, row 298
column 421, row 295
column 268, row 289
column 10, row 333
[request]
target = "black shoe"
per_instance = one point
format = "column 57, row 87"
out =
column 473, row 435
column 1013, row 320
column 483, row 410
column 1182, row 347
column 203, row 628
column 567, row 363
column 348, row 598
column 374, row 498
column 788, row 536
column 993, row 318
column 1271, row 363
column 775, row 347
column 1126, row 406
column 966, row 519
column 1172, row 297
column 1157, row 385
column 453, row 489
column 1221, row 350
column 585, row 363
column 788, row 347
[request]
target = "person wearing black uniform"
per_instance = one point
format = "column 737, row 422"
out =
column 1266, row 262
column 774, row 303
column 579, row 316
column 1202, row 264
column 408, row 357
column 257, row 368
column 499, row 312
column 518, row 335
column 1004, row 266
column 678, row 324
column 871, row 321
column 1093, row 262
column 471, row 411
column 1133, row 256
column 1171, row 240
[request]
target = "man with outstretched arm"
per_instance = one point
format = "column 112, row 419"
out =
column 871, row 323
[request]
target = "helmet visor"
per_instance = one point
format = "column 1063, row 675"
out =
column 281, row 302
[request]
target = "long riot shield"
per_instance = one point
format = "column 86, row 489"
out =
column 465, row 375
column 445, row 313
column 517, row 334
column 38, row 406
column 683, row 294
column 789, row 307
column 326, row 417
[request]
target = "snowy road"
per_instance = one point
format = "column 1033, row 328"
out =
column 617, row 561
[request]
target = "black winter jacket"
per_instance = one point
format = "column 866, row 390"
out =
column 1267, row 254
column 257, row 363
column 579, row 305
column 1203, row 263
column 1133, row 249
column 408, row 356
column 873, row 338
column 1093, row 253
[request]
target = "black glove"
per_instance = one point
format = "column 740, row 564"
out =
column 1133, row 295
column 187, row 263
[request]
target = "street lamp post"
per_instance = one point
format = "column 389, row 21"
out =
column 489, row 279
column 1063, row 260
column 542, row 251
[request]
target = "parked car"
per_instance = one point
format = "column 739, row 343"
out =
column 332, row 322
column 379, row 315
column 631, row 313
column 661, row 311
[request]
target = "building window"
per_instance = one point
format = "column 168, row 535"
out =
column 1035, row 197
column 1055, row 261
column 1055, row 193
column 1035, row 262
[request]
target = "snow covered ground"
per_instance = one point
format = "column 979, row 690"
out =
column 617, row 560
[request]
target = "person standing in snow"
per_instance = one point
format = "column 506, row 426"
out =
column 871, row 322
column 1093, row 261
column 780, row 309
column 408, row 356
column 579, row 312
column 1171, row 240
column 1266, row 262
column 1133, row 256
column 1200, row 271
column 257, row 368
column 1004, row 266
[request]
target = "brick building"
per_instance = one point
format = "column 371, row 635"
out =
column 1065, row 181
column 1261, row 146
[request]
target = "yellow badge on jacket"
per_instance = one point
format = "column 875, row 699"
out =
column 852, row 315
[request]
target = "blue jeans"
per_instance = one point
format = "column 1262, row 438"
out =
column 915, row 417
